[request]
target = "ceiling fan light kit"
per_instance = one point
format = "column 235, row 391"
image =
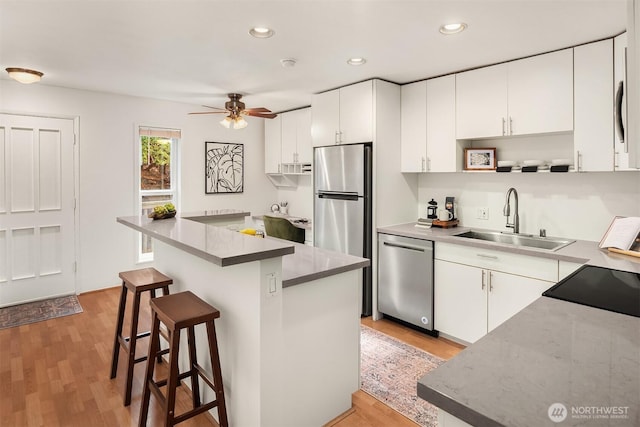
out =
column 24, row 75
column 235, row 109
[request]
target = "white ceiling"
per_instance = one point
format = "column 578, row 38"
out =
column 198, row 51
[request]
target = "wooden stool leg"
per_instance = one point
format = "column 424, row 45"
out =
column 193, row 361
column 118, row 334
column 146, row 393
column 217, row 374
column 133, row 338
column 157, row 349
column 172, row 381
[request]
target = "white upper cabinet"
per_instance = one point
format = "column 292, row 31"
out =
column 272, row 145
column 523, row 97
column 594, row 100
column 343, row 116
column 296, row 136
column 428, row 120
column 481, row 102
column 413, row 127
column 441, row 125
column 541, row 94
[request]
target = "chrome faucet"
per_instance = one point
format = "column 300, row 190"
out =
column 507, row 211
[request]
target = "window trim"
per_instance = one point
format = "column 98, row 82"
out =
column 139, row 193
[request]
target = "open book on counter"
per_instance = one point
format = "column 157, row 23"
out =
column 623, row 236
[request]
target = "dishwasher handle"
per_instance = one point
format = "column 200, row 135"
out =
column 411, row 248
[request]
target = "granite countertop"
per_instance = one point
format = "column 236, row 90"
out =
column 580, row 251
column 550, row 352
column 215, row 214
column 309, row 263
column 223, row 247
column 295, row 220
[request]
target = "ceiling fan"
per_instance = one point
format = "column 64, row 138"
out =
column 235, row 109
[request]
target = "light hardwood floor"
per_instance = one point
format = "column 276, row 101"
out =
column 56, row 373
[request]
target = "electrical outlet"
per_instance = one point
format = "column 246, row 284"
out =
column 482, row 213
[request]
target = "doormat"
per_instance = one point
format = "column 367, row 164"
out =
column 390, row 370
column 38, row 311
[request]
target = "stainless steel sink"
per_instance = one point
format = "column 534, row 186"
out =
column 526, row 240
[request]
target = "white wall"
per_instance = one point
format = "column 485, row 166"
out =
column 575, row 205
column 106, row 146
column 300, row 198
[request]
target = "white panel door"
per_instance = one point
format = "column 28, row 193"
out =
column 37, row 213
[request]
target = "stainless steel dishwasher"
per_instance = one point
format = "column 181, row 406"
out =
column 405, row 280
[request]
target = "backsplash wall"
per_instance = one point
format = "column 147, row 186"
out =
column 575, row 205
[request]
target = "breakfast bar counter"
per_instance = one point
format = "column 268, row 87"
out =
column 285, row 361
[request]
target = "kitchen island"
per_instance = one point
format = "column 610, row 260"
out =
column 290, row 315
column 552, row 352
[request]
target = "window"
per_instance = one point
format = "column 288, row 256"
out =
column 157, row 176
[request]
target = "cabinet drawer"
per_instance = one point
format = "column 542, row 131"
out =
column 523, row 265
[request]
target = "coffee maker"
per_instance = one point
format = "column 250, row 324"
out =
column 449, row 205
column 432, row 209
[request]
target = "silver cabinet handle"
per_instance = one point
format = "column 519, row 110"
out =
column 423, row 165
column 578, row 160
column 510, row 125
column 504, row 122
column 337, row 137
column 490, row 281
column 428, row 164
column 483, row 275
column 487, row 256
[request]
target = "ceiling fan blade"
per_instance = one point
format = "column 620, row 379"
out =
column 258, row 110
column 211, row 112
column 261, row 115
column 215, row 108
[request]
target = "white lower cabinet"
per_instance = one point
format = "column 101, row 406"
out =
column 477, row 290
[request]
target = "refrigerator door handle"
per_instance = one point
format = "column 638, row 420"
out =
column 338, row 196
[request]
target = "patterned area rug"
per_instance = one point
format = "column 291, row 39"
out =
column 390, row 370
column 32, row 312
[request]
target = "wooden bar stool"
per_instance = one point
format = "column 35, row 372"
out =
column 136, row 282
column 180, row 311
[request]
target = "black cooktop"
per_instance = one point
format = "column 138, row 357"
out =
column 613, row 290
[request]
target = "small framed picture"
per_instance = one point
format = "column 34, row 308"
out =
column 479, row 159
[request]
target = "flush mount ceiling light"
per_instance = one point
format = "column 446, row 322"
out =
column 24, row 75
column 356, row 61
column 261, row 32
column 453, row 28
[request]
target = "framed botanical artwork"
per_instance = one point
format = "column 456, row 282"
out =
column 479, row 159
column 224, row 168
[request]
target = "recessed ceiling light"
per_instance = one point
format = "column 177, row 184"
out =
column 453, row 28
column 356, row 61
column 261, row 32
column 24, row 75
column 288, row 62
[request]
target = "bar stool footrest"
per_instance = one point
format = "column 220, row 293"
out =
column 195, row 411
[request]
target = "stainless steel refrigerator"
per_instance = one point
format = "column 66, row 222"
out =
column 342, row 205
